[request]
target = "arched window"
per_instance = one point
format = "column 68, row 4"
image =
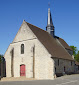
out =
column 22, row 48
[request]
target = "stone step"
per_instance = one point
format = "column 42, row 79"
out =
column 16, row 79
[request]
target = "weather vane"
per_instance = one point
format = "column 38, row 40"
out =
column 49, row 4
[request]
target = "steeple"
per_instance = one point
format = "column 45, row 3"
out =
column 50, row 27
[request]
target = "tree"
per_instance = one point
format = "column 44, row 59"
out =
column 74, row 50
column 75, row 53
column 77, row 56
column 1, row 56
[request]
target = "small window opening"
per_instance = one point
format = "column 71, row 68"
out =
column 64, row 69
column 71, row 63
column 58, row 62
column 55, row 69
column 22, row 48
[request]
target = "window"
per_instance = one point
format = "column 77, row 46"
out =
column 55, row 69
column 64, row 68
column 78, row 67
column 71, row 63
column 58, row 62
column 22, row 48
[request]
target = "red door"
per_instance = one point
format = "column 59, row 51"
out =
column 22, row 70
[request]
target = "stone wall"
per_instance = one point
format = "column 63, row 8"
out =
column 44, row 65
column 66, row 65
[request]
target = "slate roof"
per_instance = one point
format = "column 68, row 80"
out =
column 65, row 44
column 50, row 43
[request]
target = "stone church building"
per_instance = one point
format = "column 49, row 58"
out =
column 36, row 53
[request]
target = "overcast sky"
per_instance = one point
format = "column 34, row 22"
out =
column 65, row 15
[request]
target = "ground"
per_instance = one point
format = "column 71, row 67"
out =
column 65, row 80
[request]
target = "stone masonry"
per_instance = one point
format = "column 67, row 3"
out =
column 44, row 65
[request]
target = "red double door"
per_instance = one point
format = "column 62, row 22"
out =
column 22, row 70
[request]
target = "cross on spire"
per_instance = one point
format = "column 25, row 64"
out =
column 49, row 4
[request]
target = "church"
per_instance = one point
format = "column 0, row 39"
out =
column 36, row 53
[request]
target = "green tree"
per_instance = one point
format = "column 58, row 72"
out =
column 74, row 50
column 77, row 56
column 75, row 53
column 1, row 56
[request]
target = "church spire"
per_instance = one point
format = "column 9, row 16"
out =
column 50, row 27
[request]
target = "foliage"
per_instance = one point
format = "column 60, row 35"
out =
column 77, row 56
column 75, row 53
column 1, row 56
column 74, row 50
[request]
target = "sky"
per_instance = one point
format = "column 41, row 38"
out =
column 65, row 16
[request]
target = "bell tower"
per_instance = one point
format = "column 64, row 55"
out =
column 50, row 26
